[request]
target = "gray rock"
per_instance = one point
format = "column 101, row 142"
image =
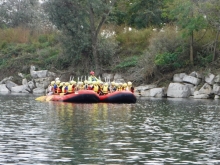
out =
column 210, row 78
column 178, row 90
column 3, row 88
column 191, row 80
column 205, row 89
column 39, row 91
column 179, row 77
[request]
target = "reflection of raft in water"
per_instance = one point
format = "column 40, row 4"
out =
column 89, row 96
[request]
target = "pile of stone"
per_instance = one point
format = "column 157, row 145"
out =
column 39, row 83
column 194, row 85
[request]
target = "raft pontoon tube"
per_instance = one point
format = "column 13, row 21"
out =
column 89, row 96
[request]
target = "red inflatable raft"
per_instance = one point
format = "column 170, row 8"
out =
column 82, row 96
column 89, row 96
column 118, row 97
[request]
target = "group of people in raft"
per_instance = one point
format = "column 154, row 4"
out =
column 93, row 83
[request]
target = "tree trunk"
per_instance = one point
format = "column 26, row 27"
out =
column 96, row 30
column 93, row 38
column 95, row 54
column 191, row 49
column 215, row 45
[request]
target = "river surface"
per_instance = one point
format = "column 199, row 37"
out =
column 152, row 131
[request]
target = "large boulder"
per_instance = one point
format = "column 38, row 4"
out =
column 178, row 90
column 191, row 80
column 197, row 95
column 144, row 87
column 3, row 88
column 157, row 92
column 217, row 79
column 179, row 77
column 20, row 89
column 154, row 92
column 43, row 82
column 216, row 89
column 40, row 73
column 196, row 74
column 201, row 96
column 39, row 91
column 205, row 89
column 6, row 79
column 10, row 84
column 210, row 78
column 191, row 87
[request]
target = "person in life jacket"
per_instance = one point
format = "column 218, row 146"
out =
column 90, row 85
column 80, row 85
column 124, row 87
column 65, row 87
column 85, row 84
column 113, row 87
column 92, row 77
column 71, row 87
column 119, row 87
column 130, row 87
column 95, row 86
column 105, row 89
column 50, row 89
column 56, row 87
column 100, row 84
column 60, row 86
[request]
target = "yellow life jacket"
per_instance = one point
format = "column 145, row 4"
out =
column 119, row 88
column 81, row 87
column 63, row 89
column 96, row 88
column 70, row 88
column 105, row 89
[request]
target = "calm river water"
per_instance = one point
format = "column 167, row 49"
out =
column 152, row 131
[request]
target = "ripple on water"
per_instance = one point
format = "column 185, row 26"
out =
column 154, row 131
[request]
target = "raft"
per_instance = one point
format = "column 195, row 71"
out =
column 118, row 97
column 89, row 96
column 82, row 96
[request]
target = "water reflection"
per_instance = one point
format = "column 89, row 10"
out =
column 152, row 131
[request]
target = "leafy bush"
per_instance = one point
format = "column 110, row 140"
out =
column 3, row 45
column 203, row 59
column 43, row 38
column 133, row 42
column 168, row 59
column 106, row 50
column 128, row 62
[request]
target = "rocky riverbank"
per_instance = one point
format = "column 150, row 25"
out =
column 194, row 85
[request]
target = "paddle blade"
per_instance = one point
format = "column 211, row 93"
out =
column 49, row 98
column 61, row 94
column 41, row 98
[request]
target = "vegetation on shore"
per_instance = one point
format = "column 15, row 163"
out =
column 143, row 53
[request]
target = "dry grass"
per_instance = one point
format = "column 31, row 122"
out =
column 15, row 35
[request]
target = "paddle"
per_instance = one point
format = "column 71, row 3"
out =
column 41, row 98
column 44, row 98
column 61, row 94
column 49, row 98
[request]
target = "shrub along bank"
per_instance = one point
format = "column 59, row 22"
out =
column 143, row 56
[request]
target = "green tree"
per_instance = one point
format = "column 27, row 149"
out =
column 188, row 18
column 138, row 13
column 15, row 13
column 81, row 21
column 211, row 10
